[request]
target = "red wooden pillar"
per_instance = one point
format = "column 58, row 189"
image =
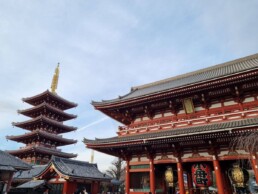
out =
column 65, row 188
column 180, row 174
column 190, row 183
column 218, row 175
column 255, row 167
column 152, row 177
column 127, row 178
column 95, row 187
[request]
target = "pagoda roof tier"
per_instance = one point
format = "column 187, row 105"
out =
column 210, row 75
column 40, row 120
column 38, row 110
column 48, row 96
column 172, row 133
column 41, row 150
column 39, row 133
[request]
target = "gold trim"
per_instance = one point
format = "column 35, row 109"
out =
column 188, row 105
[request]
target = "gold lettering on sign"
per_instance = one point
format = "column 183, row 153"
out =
column 188, row 105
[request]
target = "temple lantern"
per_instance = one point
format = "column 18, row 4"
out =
column 239, row 176
column 202, row 175
column 170, row 177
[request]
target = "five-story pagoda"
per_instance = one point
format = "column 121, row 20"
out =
column 45, row 126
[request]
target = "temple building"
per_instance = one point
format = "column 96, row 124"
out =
column 181, row 134
column 61, row 176
column 45, row 127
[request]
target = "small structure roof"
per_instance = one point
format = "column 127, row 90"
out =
column 24, row 175
column 35, row 100
column 10, row 162
column 40, row 133
column 67, row 167
column 29, row 112
column 33, row 184
column 42, row 150
column 238, row 66
column 42, row 119
column 174, row 133
column 78, row 169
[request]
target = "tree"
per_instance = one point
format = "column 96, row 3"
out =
column 117, row 169
column 248, row 142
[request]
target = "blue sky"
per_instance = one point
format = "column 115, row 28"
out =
column 106, row 47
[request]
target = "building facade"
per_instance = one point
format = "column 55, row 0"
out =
column 181, row 134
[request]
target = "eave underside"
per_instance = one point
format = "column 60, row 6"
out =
column 35, row 150
column 44, row 109
column 36, row 135
column 202, row 137
column 38, row 122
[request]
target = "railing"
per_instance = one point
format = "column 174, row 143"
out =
column 201, row 117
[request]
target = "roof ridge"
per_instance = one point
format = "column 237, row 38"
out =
column 195, row 72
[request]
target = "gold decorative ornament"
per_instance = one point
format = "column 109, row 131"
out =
column 169, row 177
column 239, row 176
column 188, row 105
column 55, row 80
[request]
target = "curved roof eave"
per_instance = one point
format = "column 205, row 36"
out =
column 219, row 71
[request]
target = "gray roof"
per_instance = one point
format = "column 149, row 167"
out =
column 215, row 72
column 186, row 131
column 67, row 167
column 78, row 169
column 31, row 184
column 43, row 150
column 29, row 174
column 7, row 168
column 46, row 94
column 7, row 161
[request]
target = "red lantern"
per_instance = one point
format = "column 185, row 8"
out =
column 202, row 175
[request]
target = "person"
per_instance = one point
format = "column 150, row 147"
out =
column 84, row 191
column 81, row 191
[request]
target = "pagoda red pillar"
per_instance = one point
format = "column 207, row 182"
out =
column 127, row 178
column 180, row 174
column 152, row 177
column 218, row 175
column 255, row 167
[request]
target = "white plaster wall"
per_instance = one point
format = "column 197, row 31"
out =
column 216, row 105
column 228, row 103
column 249, row 99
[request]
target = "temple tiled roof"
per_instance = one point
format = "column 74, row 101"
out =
column 8, row 161
column 48, row 94
column 241, row 65
column 66, row 167
column 24, row 175
column 27, row 112
column 43, row 150
column 26, row 124
column 78, row 169
column 32, row 184
column 174, row 133
column 58, row 138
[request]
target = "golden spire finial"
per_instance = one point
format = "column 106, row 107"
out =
column 55, row 80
